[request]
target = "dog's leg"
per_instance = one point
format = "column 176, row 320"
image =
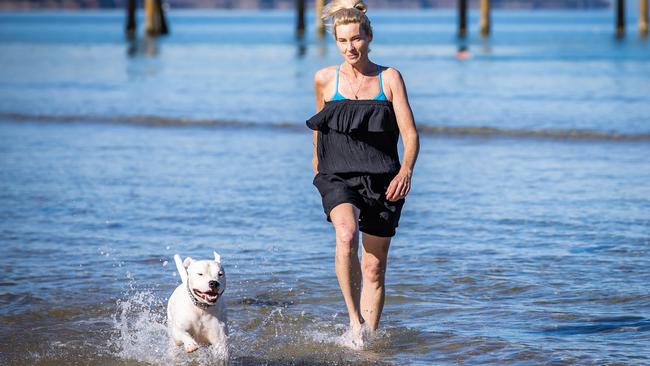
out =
column 175, row 338
column 189, row 343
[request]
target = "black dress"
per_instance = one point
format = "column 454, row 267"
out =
column 357, row 159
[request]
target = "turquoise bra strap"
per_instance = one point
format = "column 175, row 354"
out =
column 336, row 88
column 381, row 85
column 338, row 96
column 380, row 95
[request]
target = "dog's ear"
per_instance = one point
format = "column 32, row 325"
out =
column 188, row 261
column 217, row 257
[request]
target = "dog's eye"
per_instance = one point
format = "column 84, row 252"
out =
column 221, row 274
column 200, row 274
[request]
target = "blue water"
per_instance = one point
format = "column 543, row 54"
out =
column 523, row 246
column 540, row 70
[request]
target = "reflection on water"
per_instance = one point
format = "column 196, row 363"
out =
column 145, row 46
column 301, row 44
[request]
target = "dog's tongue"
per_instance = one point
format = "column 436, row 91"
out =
column 208, row 295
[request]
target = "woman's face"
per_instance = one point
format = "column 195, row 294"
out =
column 353, row 42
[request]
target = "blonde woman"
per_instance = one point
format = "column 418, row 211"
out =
column 362, row 110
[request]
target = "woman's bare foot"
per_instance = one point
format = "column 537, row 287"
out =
column 357, row 337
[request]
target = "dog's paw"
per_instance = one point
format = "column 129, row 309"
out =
column 191, row 347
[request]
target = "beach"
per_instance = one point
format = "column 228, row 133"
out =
column 523, row 242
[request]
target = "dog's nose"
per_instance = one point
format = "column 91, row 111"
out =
column 213, row 284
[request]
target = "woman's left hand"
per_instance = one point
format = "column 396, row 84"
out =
column 399, row 187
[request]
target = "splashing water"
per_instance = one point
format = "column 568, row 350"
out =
column 356, row 339
column 141, row 330
column 141, row 334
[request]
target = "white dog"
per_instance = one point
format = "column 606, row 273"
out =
column 196, row 312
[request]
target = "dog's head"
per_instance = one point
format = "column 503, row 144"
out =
column 206, row 279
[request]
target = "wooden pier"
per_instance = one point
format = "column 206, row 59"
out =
column 156, row 24
column 155, row 19
column 485, row 18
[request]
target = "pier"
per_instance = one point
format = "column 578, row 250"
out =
column 156, row 23
column 155, row 18
column 485, row 9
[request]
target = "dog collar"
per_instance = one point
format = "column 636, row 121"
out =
column 196, row 302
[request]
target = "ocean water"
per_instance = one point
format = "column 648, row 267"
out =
column 539, row 71
column 525, row 240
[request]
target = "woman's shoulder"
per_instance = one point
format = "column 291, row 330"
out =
column 390, row 73
column 393, row 81
column 324, row 75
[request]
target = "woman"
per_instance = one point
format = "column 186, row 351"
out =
column 362, row 110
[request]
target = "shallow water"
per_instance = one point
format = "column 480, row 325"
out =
column 509, row 251
column 525, row 239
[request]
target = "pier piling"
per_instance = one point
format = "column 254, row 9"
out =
column 161, row 17
column 462, row 18
column 300, row 21
column 320, row 25
column 643, row 18
column 155, row 23
column 620, row 18
column 130, row 18
column 485, row 18
column 149, row 16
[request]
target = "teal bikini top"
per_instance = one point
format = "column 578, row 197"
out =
column 380, row 96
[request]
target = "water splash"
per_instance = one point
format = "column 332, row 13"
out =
column 141, row 334
column 352, row 339
column 141, row 330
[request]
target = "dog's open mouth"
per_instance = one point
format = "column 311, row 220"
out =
column 208, row 296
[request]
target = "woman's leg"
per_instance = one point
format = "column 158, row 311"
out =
column 345, row 218
column 373, row 265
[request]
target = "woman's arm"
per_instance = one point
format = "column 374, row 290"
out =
column 320, row 82
column 314, row 160
column 400, row 186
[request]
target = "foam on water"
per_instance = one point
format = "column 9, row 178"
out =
column 429, row 128
column 356, row 339
column 141, row 334
column 140, row 325
column 274, row 335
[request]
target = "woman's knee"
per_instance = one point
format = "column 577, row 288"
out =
column 373, row 270
column 346, row 234
column 346, row 240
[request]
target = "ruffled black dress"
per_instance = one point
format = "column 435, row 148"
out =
column 357, row 159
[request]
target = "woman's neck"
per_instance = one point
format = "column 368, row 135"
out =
column 364, row 67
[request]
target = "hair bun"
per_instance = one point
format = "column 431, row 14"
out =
column 336, row 5
column 361, row 7
column 344, row 12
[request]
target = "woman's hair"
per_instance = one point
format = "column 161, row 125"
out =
column 339, row 12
